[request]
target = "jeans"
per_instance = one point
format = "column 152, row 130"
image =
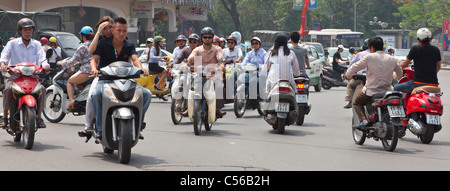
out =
column 97, row 102
column 406, row 87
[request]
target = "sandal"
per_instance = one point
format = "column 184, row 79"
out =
column 84, row 133
column 4, row 122
column 71, row 106
column 41, row 123
column 157, row 88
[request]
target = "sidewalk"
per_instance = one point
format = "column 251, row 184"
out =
column 445, row 66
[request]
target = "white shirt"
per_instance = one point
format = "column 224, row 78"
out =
column 176, row 53
column 16, row 52
column 56, row 53
column 234, row 55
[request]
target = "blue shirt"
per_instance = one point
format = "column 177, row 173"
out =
column 258, row 57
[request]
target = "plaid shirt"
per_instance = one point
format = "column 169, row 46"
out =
column 82, row 56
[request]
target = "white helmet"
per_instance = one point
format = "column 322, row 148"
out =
column 340, row 47
column 424, row 33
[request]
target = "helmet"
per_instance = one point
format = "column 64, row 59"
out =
column 257, row 39
column 340, row 47
column 25, row 22
column 281, row 38
column 231, row 37
column 216, row 38
column 424, row 33
column 194, row 36
column 44, row 40
column 366, row 44
column 150, row 40
column 181, row 37
column 238, row 36
column 207, row 30
column 351, row 50
column 52, row 39
column 86, row 30
column 158, row 39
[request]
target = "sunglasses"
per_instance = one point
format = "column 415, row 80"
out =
column 192, row 42
column 207, row 37
column 231, row 42
column 255, row 43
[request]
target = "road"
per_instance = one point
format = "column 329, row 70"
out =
column 324, row 142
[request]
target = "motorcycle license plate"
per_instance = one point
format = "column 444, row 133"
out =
column 396, row 111
column 302, row 98
column 433, row 119
column 282, row 107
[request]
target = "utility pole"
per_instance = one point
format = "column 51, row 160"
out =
column 354, row 11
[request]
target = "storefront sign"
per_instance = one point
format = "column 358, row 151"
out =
column 446, row 34
column 193, row 13
column 142, row 10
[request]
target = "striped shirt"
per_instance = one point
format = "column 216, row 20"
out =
column 281, row 67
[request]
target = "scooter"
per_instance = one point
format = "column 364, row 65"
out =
column 180, row 89
column 150, row 81
column 384, row 112
column 57, row 99
column 280, row 108
column 423, row 109
column 332, row 78
column 122, row 102
column 304, row 107
column 202, row 101
column 247, row 94
column 26, row 91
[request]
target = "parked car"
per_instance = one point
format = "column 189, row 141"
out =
column 67, row 41
column 320, row 51
column 401, row 54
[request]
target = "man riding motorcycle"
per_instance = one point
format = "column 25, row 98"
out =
column 19, row 50
column 380, row 67
column 209, row 54
column 427, row 63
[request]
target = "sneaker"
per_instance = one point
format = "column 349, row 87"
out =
column 362, row 126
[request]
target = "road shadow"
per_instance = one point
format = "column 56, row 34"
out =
column 136, row 160
column 37, row 146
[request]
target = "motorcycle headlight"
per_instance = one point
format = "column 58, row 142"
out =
column 27, row 70
column 108, row 91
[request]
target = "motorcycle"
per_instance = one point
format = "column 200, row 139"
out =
column 122, row 102
column 150, row 81
column 280, row 108
column 423, row 110
column 384, row 112
column 26, row 91
column 57, row 99
column 202, row 102
column 247, row 94
column 332, row 78
column 304, row 107
column 179, row 95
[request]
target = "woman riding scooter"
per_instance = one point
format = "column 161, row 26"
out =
column 82, row 56
column 154, row 58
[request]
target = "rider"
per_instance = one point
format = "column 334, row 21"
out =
column 181, row 44
column 209, row 54
column 83, row 57
column 154, row 59
column 257, row 56
column 110, row 50
column 352, row 84
column 380, row 67
column 336, row 60
column 282, row 64
column 56, row 56
column 24, row 49
column 193, row 43
column 300, row 52
column 231, row 52
column 427, row 63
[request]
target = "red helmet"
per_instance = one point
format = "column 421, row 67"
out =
column 44, row 40
column 216, row 38
column 232, row 37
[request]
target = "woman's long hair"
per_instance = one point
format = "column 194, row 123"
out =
column 158, row 48
column 277, row 46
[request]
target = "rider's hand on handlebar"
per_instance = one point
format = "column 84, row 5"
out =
column 46, row 68
column 3, row 67
column 94, row 72
column 146, row 72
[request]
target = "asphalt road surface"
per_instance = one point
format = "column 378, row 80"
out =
column 324, row 142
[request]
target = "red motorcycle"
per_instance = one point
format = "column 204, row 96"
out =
column 26, row 90
column 423, row 110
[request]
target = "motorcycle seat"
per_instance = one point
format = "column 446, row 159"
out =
column 378, row 96
column 429, row 89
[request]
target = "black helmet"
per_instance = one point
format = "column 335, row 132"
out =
column 181, row 37
column 207, row 30
column 281, row 38
column 25, row 22
column 194, row 36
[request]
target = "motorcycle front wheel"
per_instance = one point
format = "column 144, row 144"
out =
column 174, row 111
column 29, row 129
column 53, row 110
column 358, row 136
column 125, row 141
column 239, row 106
column 198, row 118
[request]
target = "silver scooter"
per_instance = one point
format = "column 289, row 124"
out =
column 122, row 104
column 56, row 100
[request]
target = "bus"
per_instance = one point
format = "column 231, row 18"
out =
column 335, row 37
column 267, row 37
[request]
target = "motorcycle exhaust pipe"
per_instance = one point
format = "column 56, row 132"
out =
column 415, row 127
